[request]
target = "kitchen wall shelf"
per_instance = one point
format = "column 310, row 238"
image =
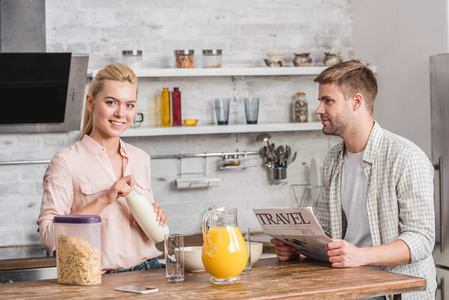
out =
column 214, row 129
column 223, row 72
column 207, row 72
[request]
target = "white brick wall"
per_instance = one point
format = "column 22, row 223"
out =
column 241, row 28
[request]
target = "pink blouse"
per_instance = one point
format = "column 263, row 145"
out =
column 81, row 173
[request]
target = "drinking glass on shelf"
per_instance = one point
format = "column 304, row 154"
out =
column 222, row 110
column 251, row 110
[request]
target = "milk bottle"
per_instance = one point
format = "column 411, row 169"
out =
column 143, row 212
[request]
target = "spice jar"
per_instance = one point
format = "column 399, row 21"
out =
column 132, row 58
column 78, row 249
column 300, row 108
column 212, row 58
column 184, row 58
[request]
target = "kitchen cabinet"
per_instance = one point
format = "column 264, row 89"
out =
column 225, row 72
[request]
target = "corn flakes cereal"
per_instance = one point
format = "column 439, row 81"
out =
column 78, row 262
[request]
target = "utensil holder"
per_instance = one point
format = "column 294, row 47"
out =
column 279, row 173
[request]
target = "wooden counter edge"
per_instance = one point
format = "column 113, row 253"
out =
column 29, row 263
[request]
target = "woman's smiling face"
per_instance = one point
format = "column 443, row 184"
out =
column 114, row 108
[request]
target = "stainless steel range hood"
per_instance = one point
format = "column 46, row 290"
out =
column 42, row 94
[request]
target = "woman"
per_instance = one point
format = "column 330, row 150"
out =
column 90, row 177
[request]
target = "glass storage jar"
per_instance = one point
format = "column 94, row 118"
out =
column 300, row 108
column 78, row 249
column 184, row 58
column 212, row 58
column 133, row 58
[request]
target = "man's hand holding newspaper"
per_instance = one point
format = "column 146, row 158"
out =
column 296, row 227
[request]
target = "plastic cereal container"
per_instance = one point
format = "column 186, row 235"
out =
column 184, row 58
column 78, row 249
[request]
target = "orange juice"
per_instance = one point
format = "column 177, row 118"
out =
column 227, row 255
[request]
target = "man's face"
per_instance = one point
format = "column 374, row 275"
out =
column 334, row 110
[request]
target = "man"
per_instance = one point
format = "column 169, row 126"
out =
column 378, row 187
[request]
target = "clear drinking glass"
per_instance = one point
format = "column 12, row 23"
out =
column 222, row 110
column 174, row 257
column 252, row 110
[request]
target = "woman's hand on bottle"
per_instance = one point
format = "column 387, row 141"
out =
column 161, row 215
column 120, row 188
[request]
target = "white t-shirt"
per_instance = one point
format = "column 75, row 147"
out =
column 354, row 188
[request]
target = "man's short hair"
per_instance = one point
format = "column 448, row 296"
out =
column 352, row 77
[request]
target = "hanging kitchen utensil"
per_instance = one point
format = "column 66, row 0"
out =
column 274, row 153
column 286, row 156
column 293, row 159
column 288, row 151
column 265, row 137
column 280, row 154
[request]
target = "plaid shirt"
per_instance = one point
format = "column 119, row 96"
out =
column 399, row 201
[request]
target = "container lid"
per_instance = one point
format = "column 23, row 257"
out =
column 212, row 51
column 132, row 52
column 300, row 94
column 77, row 219
column 184, row 52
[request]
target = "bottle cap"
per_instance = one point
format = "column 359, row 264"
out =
column 300, row 94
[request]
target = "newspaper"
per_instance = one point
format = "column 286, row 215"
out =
column 296, row 227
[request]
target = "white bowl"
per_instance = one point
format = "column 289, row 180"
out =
column 256, row 251
column 192, row 259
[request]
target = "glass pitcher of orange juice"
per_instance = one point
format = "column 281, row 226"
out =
column 224, row 252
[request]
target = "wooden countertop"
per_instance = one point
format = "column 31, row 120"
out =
column 269, row 279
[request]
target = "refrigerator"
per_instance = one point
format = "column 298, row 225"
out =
column 439, row 95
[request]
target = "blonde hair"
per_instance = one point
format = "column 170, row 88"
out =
column 352, row 77
column 116, row 72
